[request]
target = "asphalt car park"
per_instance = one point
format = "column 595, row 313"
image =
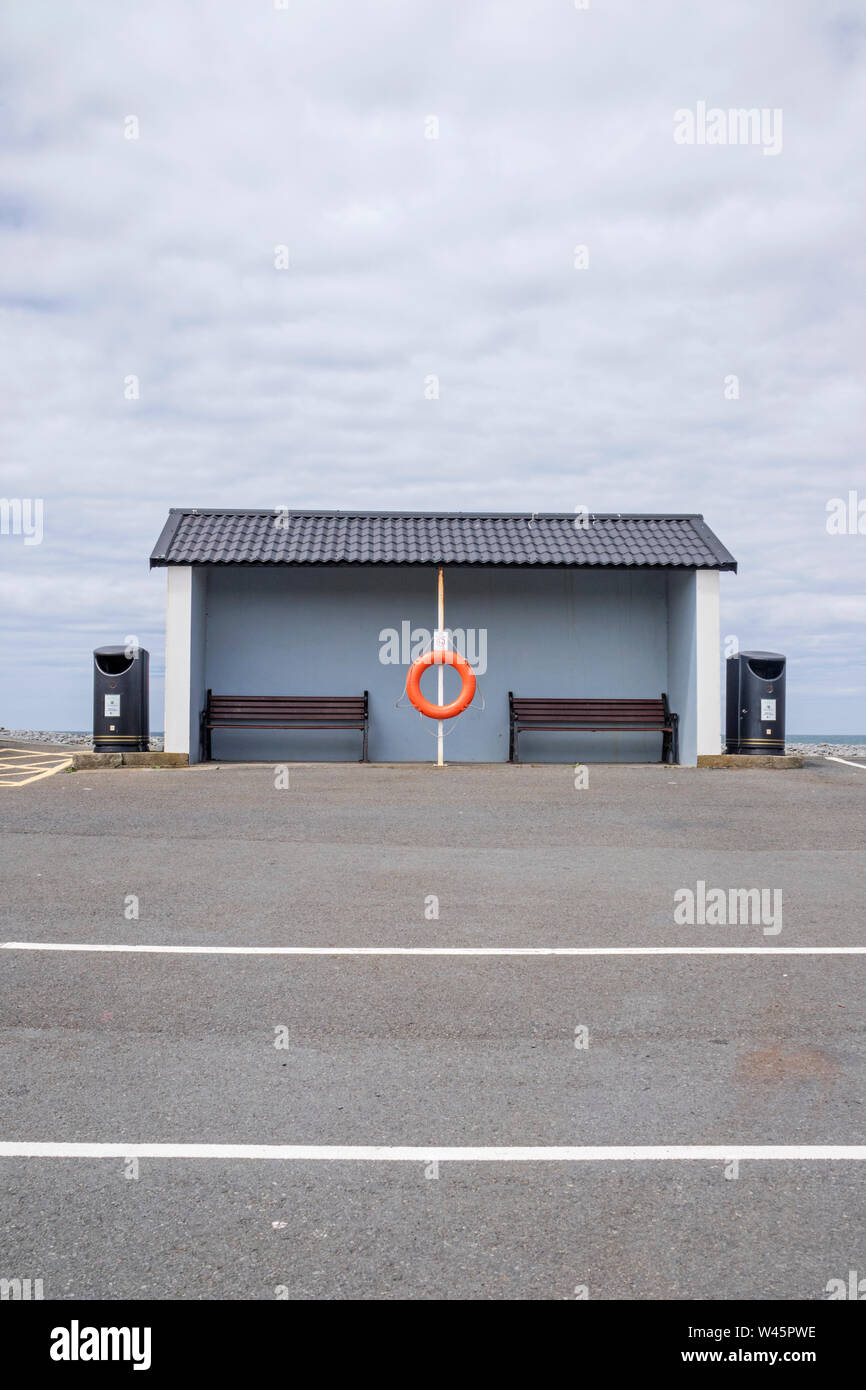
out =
column 339, row 1059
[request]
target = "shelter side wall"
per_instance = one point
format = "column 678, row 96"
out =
column 709, row 662
column 185, row 636
column 198, row 644
column 177, row 658
column 682, row 685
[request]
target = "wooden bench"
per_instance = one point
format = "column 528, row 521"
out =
column 595, row 715
column 284, row 712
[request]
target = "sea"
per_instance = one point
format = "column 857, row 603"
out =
column 825, row 738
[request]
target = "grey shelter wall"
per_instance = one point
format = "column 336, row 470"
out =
column 319, row 630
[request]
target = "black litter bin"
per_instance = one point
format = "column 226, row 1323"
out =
column 121, row 716
column 756, row 703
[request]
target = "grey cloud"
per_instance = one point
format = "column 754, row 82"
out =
column 409, row 256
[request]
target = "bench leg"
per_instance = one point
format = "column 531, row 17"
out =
column 364, row 757
column 675, row 720
column 666, row 746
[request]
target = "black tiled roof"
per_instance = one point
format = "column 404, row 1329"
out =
column 203, row 537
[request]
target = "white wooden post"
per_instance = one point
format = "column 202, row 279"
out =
column 440, row 615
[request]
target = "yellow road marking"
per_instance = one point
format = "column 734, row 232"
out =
column 38, row 777
column 7, row 753
column 22, row 748
column 38, row 770
column 11, row 754
column 25, row 767
column 31, row 753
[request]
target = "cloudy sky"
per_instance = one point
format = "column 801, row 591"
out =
column 608, row 384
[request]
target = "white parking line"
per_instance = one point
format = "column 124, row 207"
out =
column 401, row 1153
column 438, row 950
column 847, row 761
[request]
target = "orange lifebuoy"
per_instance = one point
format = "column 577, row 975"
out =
column 413, row 684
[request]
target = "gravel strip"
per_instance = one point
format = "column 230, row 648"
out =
column 62, row 739
column 817, row 750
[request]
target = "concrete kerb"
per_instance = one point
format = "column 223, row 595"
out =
column 86, row 762
column 82, row 762
column 775, row 763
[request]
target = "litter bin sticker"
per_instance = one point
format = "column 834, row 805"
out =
column 112, row 705
column 768, row 709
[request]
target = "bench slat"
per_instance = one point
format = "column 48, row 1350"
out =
column 278, row 712
column 567, row 713
column 591, row 714
column 299, row 703
column 295, row 724
column 262, row 712
column 612, row 705
column 650, row 707
column 601, row 727
column 289, row 709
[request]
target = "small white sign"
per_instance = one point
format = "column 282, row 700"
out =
column 112, row 705
column 768, row 709
column 440, row 639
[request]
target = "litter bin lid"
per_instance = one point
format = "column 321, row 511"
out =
column 763, row 656
column 113, row 661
